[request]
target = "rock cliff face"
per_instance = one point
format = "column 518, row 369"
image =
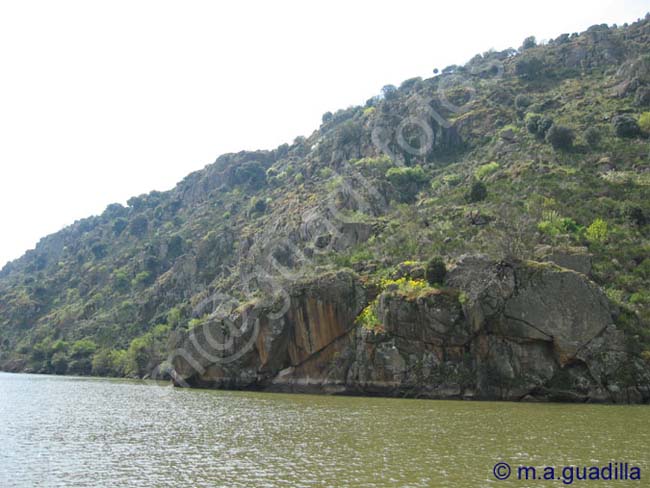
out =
column 501, row 331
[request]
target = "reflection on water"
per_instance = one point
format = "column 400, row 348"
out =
column 59, row 431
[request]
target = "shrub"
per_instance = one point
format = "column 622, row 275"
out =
column 389, row 92
column 119, row 225
column 251, row 173
column 553, row 224
column 378, row 165
column 368, row 318
column 560, row 137
column 537, row 124
column 532, row 122
column 529, row 43
column 636, row 215
column 139, row 226
column 435, row 271
column 405, row 285
column 644, row 122
column 407, row 180
column 451, row 180
column 348, row 133
column 175, row 246
column 642, row 96
column 99, row 250
column 107, row 362
column 545, row 123
column 143, row 278
column 592, row 136
column 478, row 192
column 625, row 126
column 529, row 68
column 486, row 170
column 121, row 281
column 257, row 205
column 522, row 101
column 597, row 231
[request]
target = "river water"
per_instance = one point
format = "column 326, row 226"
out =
column 67, row 431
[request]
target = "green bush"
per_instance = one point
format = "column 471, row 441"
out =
column 597, row 231
column 529, row 43
column 644, row 122
column 625, row 126
column 121, row 281
column 532, row 122
column 636, row 215
column 592, row 136
column 486, row 170
column 560, row 137
column 376, row 165
column 451, row 180
column 257, row 205
column 408, row 181
column 537, row 124
column 108, row 362
column 368, row 318
column 119, row 225
column 553, row 224
column 143, row 278
column 139, row 226
column 436, row 271
column 478, row 192
column 529, row 67
column 522, row 101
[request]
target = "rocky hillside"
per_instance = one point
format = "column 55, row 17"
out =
column 483, row 233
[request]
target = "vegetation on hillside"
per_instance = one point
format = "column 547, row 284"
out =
column 542, row 146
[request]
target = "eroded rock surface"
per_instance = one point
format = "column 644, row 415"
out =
column 508, row 331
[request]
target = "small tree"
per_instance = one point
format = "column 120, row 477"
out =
column 119, row 225
column 560, row 137
column 478, row 192
column 408, row 181
column 529, row 67
column 545, row 123
column 538, row 125
column 529, row 43
column 389, row 92
column 532, row 122
column 522, row 101
column 436, row 271
column 625, row 126
column 139, row 226
column 597, row 231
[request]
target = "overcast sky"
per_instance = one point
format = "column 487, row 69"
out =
column 100, row 101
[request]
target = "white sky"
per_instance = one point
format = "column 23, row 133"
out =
column 103, row 100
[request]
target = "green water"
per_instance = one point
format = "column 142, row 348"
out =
column 62, row 431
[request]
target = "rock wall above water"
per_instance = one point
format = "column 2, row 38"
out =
column 498, row 331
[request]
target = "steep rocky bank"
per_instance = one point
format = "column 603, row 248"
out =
column 498, row 330
column 528, row 156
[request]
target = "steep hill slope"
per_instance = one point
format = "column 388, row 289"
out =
column 537, row 154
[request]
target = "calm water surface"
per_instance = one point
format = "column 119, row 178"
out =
column 64, row 431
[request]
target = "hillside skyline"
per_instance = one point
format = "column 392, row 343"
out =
column 77, row 158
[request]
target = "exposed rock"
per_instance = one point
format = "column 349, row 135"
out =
column 508, row 135
column 575, row 258
column 511, row 331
